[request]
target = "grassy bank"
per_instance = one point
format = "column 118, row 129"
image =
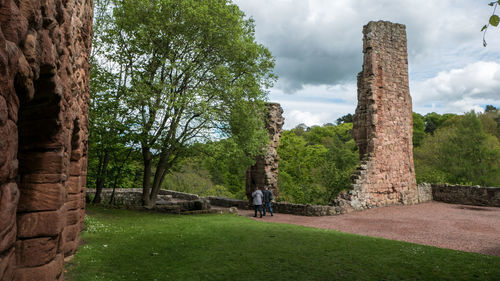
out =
column 130, row 245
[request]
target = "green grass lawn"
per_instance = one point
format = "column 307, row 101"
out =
column 132, row 245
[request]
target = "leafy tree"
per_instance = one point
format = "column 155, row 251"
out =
column 491, row 120
column 418, row 129
column 348, row 118
column 188, row 70
column 490, row 108
column 315, row 165
column 434, row 120
column 190, row 177
column 460, row 152
column 300, row 129
column 109, row 144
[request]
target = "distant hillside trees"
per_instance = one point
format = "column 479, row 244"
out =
column 464, row 149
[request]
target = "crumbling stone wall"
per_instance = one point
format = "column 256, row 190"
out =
column 265, row 171
column 44, row 96
column 467, row 195
column 383, row 122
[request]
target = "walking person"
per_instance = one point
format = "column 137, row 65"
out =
column 268, row 198
column 257, row 201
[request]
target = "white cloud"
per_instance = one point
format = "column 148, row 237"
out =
column 316, row 104
column 318, row 50
column 319, row 41
column 459, row 90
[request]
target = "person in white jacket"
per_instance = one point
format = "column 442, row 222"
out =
column 257, row 201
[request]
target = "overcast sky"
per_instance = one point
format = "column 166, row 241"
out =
column 318, row 50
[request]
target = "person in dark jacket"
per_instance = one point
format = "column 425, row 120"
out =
column 268, row 198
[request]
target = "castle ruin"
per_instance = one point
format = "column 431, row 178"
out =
column 265, row 171
column 383, row 125
column 44, row 98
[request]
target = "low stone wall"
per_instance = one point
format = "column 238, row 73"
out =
column 305, row 210
column 124, row 196
column 279, row 207
column 467, row 195
column 132, row 198
column 179, row 195
column 228, row 202
column 180, row 207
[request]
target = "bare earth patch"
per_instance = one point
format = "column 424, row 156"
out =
column 458, row 227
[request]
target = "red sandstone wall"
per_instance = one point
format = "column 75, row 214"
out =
column 265, row 171
column 383, row 121
column 44, row 95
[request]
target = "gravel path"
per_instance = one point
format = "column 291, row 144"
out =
column 459, row 227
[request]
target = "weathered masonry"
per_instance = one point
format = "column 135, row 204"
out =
column 265, row 171
column 44, row 96
column 383, row 123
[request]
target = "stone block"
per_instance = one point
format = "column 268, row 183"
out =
column 7, row 264
column 9, row 196
column 4, row 112
column 8, row 151
column 48, row 272
column 8, row 238
column 39, row 224
column 37, row 251
column 73, row 202
column 73, row 216
column 41, row 197
column 51, row 162
column 75, row 168
column 76, row 154
column 70, row 247
column 70, row 233
column 73, row 185
column 43, row 178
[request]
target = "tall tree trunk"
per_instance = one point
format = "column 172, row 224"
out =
column 101, row 178
column 146, row 179
column 160, row 168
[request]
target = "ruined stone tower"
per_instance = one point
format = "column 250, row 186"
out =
column 44, row 96
column 383, row 122
column 265, row 171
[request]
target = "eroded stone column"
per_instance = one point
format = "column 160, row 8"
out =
column 383, row 122
column 44, row 96
column 265, row 171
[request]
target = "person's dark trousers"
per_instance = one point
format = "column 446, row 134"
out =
column 258, row 208
column 267, row 205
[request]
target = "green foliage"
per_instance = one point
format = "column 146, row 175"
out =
column 491, row 121
column 169, row 73
column 130, row 245
column 214, row 168
column 316, row 163
column 460, row 152
column 494, row 20
column 112, row 160
column 418, row 129
column 434, row 120
column 124, row 168
column 348, row 118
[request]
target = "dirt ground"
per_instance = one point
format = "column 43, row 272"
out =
column 458, row 227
